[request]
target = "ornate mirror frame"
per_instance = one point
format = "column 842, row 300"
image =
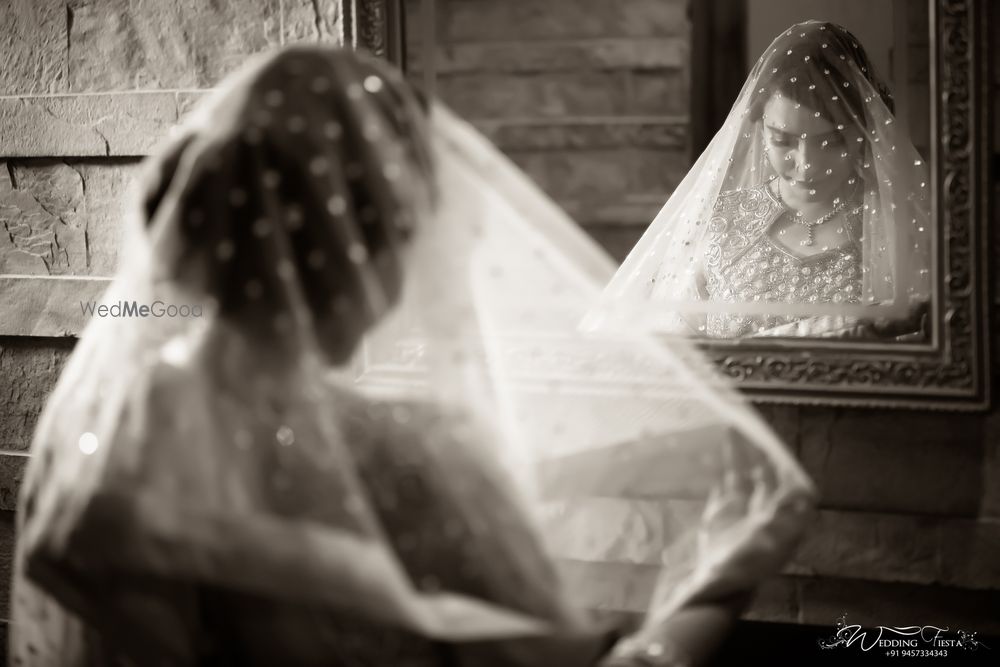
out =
column 376, row 26
column 950, row 372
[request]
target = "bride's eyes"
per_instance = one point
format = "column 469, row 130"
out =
column 778, row 139
column 782, row 140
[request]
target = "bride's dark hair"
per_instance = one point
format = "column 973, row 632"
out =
column 810, row 64
column 326, row 184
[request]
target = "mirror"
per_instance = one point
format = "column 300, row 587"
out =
column 829, row 291
column 838, row 245
column 862, row 274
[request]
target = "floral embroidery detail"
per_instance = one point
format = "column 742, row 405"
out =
column 744, row 265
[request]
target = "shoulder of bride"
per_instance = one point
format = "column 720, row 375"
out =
column 731, row 199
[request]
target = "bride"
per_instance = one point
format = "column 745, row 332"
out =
column 385, row 441
column 807, row 215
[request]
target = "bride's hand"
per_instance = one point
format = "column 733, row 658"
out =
column 915, row 321
column 727, row 518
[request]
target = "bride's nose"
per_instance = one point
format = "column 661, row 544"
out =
column 802, row 160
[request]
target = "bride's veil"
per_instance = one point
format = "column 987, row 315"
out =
column 387, row 408
column 819, row 67
column 640, row 463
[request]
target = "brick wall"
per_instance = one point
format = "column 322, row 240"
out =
column 590, row 97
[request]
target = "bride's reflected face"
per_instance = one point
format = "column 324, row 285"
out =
column 809, row 152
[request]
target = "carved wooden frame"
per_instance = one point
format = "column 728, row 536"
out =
column 951, row 372
column 376, row 26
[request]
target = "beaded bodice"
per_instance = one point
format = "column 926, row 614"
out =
column 745, row 263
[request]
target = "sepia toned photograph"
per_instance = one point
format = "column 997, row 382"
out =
column 499, row 333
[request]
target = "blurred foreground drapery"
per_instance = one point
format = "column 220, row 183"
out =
column 305, row 450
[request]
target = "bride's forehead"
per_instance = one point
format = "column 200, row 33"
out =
column 786, row 114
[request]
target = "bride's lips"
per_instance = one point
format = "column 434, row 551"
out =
column 805, row 185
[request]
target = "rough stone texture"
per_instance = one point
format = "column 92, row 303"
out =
column 28, row 371
column 482, row 96
column 119, row 45
column 589, row 97
column 56, row 187
column 601, row 173
column 862, row 545
column 776, row 600
column 85, row 125
column 187, row 101
column 8, row 536
column 47, row 306
column 823, row 600
column 811, row 600
column 597, row 54
column 110, row 199
column 659, row 92
column 487, row 20
column 313, row 21
column 584, row 133
column 878, row 547
column 43, row 233
column 560, row 94
column 33, row 44
column 877, row 460
column 970, row 553
column 597, row 186
column 11, row 474
column 633, row 213
column 787, row 423
column 990, row 507
column 658, row 171
column 580, row 176
column 61, row 218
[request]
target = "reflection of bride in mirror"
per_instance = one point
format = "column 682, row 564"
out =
column 809, row 206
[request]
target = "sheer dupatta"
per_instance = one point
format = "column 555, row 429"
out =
column 386, row 411
column 656, row 484
column 823, row 73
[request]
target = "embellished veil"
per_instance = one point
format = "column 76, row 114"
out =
column 697, row 257
column 385, row 411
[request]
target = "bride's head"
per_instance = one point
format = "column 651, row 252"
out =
column 810, row 101
column 288, row 200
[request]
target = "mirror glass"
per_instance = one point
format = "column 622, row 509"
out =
column 760, row 168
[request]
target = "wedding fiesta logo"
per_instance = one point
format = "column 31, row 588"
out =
column 902, row 641
column 136, row 309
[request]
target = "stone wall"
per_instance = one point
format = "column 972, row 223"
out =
column 590, row 97
column 87, row 87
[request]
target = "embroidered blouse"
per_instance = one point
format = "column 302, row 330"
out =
column 744, row 263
